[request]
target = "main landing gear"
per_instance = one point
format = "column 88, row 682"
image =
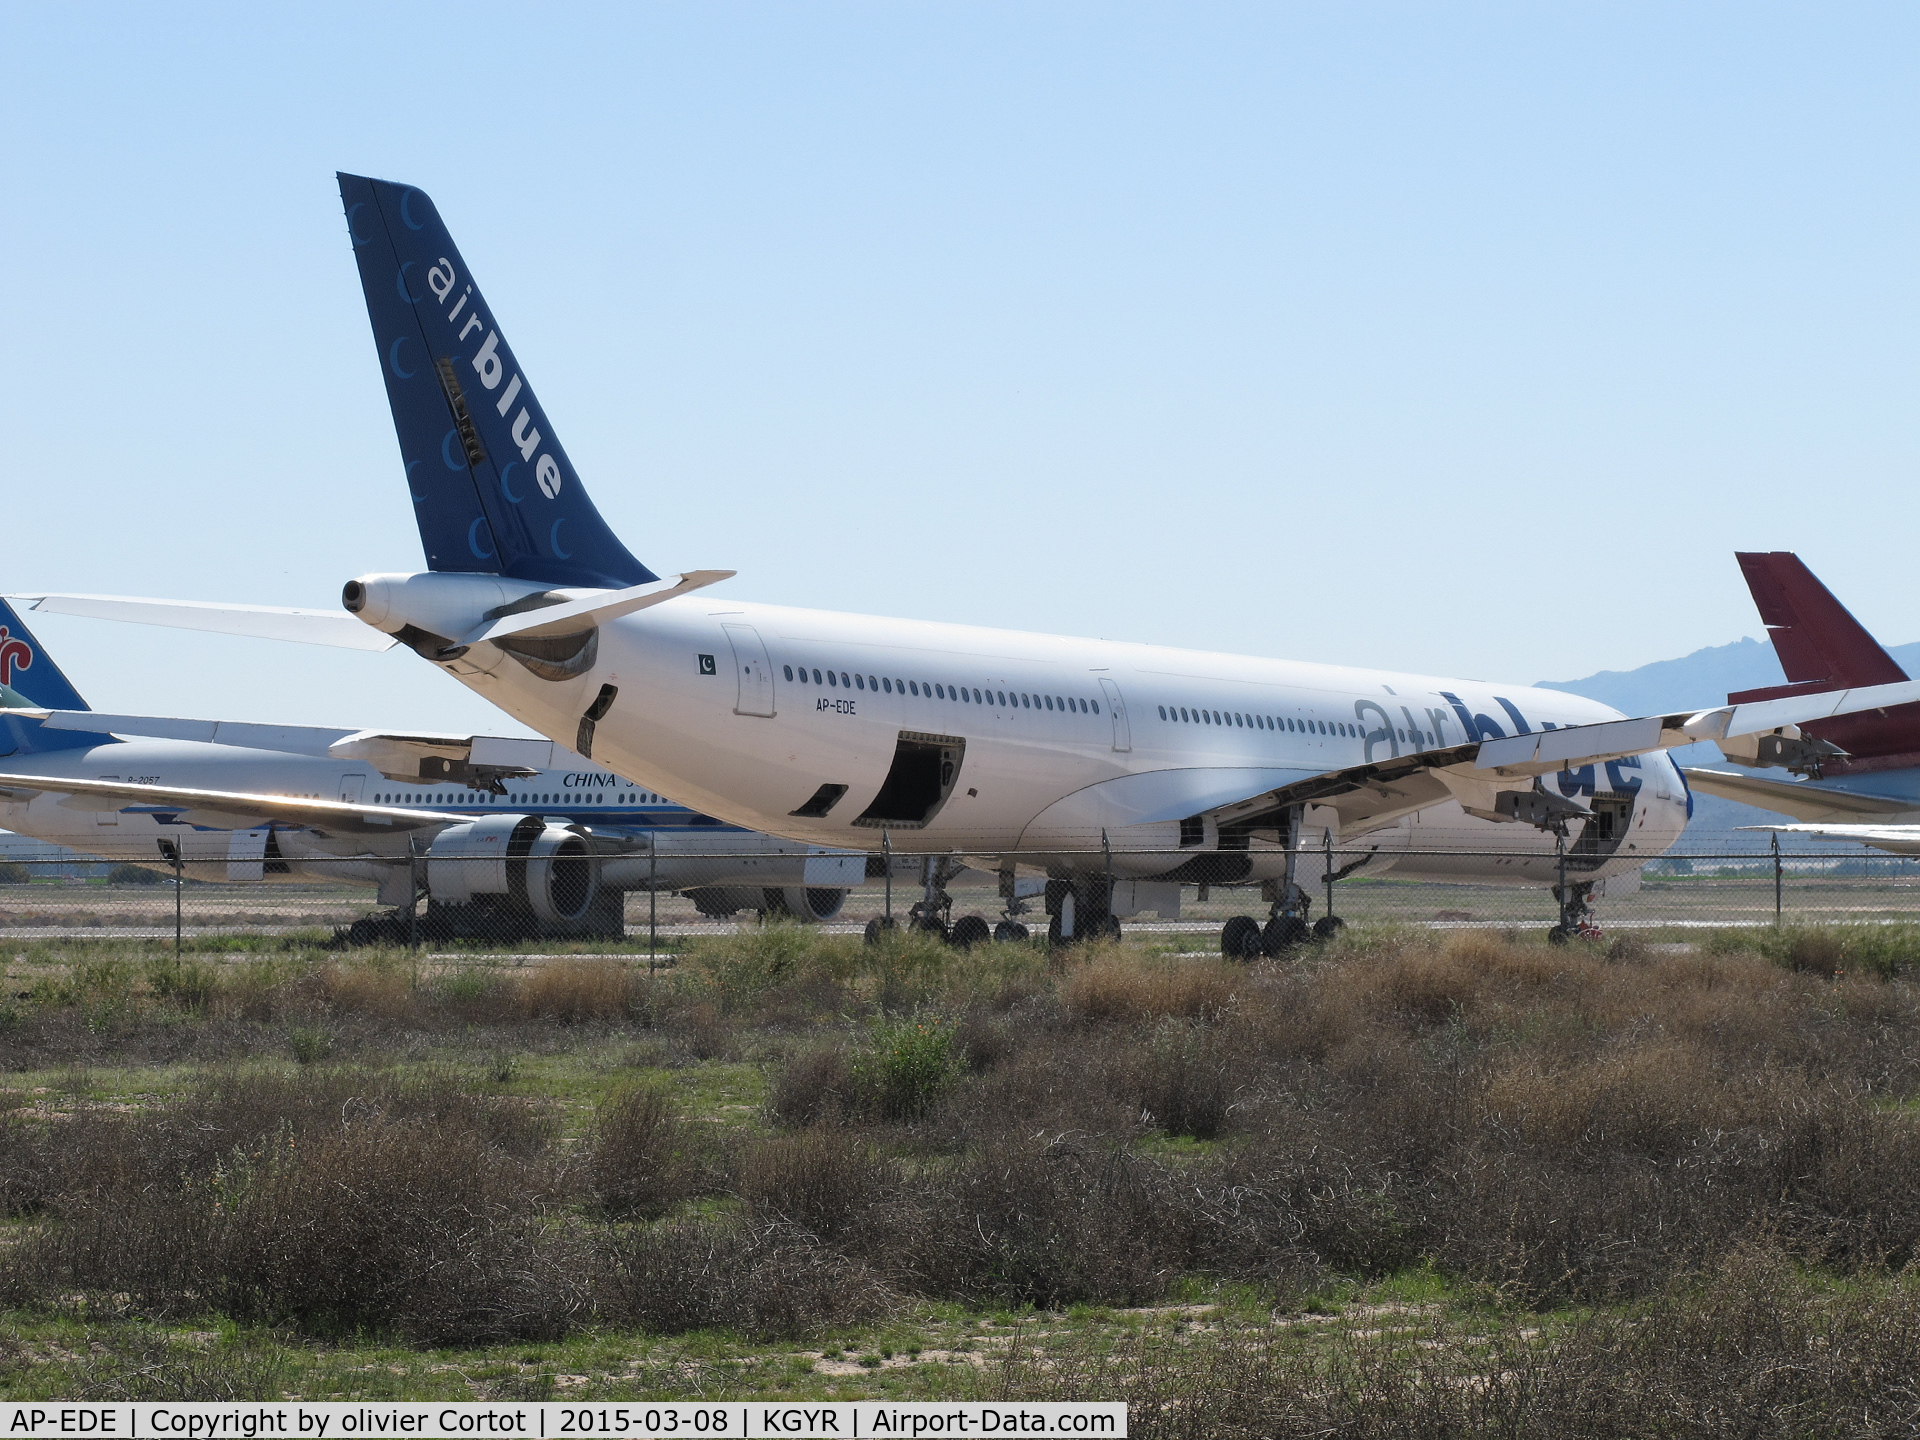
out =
column 932, row 914
column 1245, row 938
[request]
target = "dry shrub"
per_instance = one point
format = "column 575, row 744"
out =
column 1116, row 988
column 1755, row 1352
column 812, row 1088
column 1434, row 984
column 365, row 987
column 388, row 1226
column 1181, row 1082
column 1052, row 1222
column 820, row 1181
column 580, row 992
column 644, row 1157
column 764, row 1280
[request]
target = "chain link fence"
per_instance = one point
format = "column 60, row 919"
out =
column 561, row 905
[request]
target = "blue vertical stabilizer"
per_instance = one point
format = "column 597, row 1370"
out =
column 28, row 675
column 491, row 487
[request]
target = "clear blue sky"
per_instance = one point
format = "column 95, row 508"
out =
column 1466, row 338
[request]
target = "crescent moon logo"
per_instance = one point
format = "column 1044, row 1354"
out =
column 358, row 239
column 417, row 499
column 400, row 284
column 473, row 539
column 406, row 199
column 553, row 539
column 393, row 359
column 506, row 489
column 446, row 451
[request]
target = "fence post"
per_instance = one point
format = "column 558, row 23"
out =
column 178, row 876
column 1106, row 850
column 653, row 900
column 1327, row 836
column 1776, row 879
column 886, row 858
column 413, row 898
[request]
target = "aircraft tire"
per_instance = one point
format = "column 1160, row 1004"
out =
column 878, row 928
column 969, row 931
column 1010, row 932
column 930, row 926
column 1282, row 933
column 1240, row 938
column 1557, row 935
column 1328, row 926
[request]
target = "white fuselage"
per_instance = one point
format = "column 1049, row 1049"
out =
column 1065, row 745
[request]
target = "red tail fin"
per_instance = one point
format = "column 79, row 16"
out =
column 1820, row 645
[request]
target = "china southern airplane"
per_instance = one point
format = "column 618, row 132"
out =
column 1115, row 771
column 237, row 801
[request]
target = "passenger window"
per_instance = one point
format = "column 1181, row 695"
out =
column 914, row 686
column 1027, row 700
column 859, row 682
column 843, row 677
column 789, row 670
column 872, row 684
column 1163, row 712
column 976, row 698
column 940, row 691
column 816, row 677
column 1048, row 699
column 887, row 685
column 1096, row 707
column 830, row 679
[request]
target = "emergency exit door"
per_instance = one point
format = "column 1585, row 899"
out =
column 1117, row 708
column 755, row 672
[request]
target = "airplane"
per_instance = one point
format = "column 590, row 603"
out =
column 1110, row 772
column 248, row 802
column 1861, row 773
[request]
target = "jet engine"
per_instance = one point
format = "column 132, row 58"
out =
column 807, row 903
column 519, row 863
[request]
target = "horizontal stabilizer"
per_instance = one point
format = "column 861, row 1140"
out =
column 261, row 622
column 577, row 615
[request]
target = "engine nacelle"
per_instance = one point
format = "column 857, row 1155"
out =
column 807, row 903
column 548, row 869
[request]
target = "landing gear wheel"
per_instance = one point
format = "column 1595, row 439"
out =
column 969, row 931
column 1010, row 932
column 1282, row 933
column 879, row 927
column 1328, row 926
column 1558, row 935
column 1240, row 938
column 1108, row 928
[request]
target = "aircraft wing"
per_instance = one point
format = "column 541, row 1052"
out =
column 231, row 809
column 1895, row 839
column 1493, row 778
column 1803, row 800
